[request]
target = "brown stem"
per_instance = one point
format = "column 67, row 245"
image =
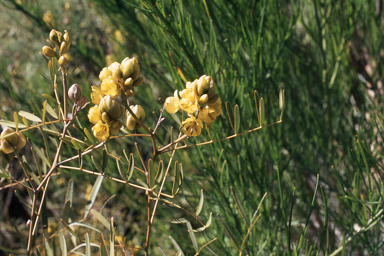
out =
column 30, row 233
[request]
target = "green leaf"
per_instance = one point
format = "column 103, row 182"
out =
column 201, row 202
column 100, row 218
column 41, row 154
column 67, row 209
column 176, row 181
column 92, row 196
column 97, row 166
column 160, row 172
column 22, row 199
column 120, row 168
column 131, row 166
column 178, row 221
column 16, row 120
column 105, row 160
column 44, row 110
column 176, row 245
column 4, row 249
column 49, row 97
column 239, row 206
column 112, row 240
column 25, row 122
column 12, row 125
column 63, row 245
column 70, row 229
column 69, row 194
column 161, row 251
column 48, row 249
column 29, row 116
column 151, row 173
column 89, row 136
column 262, row 112
column 51, row 111
column 103, row 250
column 87, row 245
column 79, row 224
column 209, row 222
column 192, row 235
column 237, row 118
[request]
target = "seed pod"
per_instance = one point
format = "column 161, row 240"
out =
column 63, row 47
column 62, row 61
column 53, row 37
column 74, row 93
column 49, row 52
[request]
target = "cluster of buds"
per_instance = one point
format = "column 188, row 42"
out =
column 9, row 145
column 62, row 41
column 200, row 101
column 117, row 84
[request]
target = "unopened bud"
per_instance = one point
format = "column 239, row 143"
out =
column 60, row 37
column 131, row 121
column 49, row 52
column 12, row 143
column 67, row 38
column 64, row 47
column 214, row 98
column 111, row 107
column 74, row 93
column 62, row 61
column 203, row 99
column 53, row 37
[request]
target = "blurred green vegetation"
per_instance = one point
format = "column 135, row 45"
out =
column 321, row 167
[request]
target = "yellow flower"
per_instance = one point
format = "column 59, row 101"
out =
column 109, row 87
column 209, row 113
column 131, row 121
column 96, row 95
column 101, row 131
column 172, row 104
column 189, row 97
column 192, row 126
column 105, row 73
column 94, row 115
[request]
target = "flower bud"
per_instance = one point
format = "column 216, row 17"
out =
column 60, row 37
column 74, row 93
column 212, row 89
column 6, row 157
column 130, row 68
column 82, row 101
column 53, row 37
column 128, row 82
column 203, row 84
column 131, row 121
column 62, row 61
column 64, row 47
column 203, row 99
column 115, row 127
column 94, row 115
column 111, row 107
column 67, row 38
column 12, row 143
column 138, row 82
column 49, row 52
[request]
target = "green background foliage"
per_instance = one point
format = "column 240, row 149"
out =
column 321, row 167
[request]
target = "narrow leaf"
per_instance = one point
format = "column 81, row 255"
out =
column 161, row 251
column 25, row 122
column 22, row 199
column 92, row 196
column 151, row 173
column 105, row 160
column 89, row 135
column 112, row 240
column 201, row 202
column 29, row 116
column 120, row 168
column 49, row 97
column 44, row 110
column 239, row 206
column 262, row 112
column 63, row 245
column 176, row 245
column 178, row 221
column 160, row 172
column 16, row 119
column 100, row 218
column 79, row 224
column 41, row 154
column 87, row 245
column 12, row 125
column 193, row 238
column 233, row 238
column 103, row 250
column 70, row 229
column 48, row 249
column 51, row 111
column 69, row 194
column 209, row 222
column 131, row 166
column 237, row 118
column 176, row 187
column 97, row 166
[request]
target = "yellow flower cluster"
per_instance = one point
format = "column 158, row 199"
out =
column 118, row 81
column 199, row 100
column 11, row 144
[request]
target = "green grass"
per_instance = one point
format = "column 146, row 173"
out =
column 321, row 167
